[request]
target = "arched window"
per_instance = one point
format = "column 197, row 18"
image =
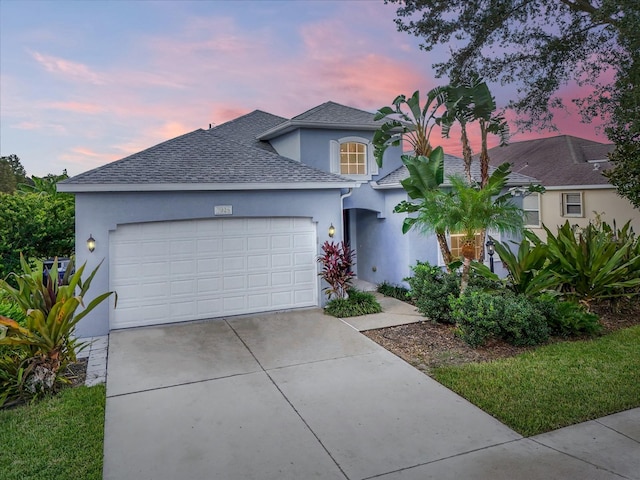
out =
column 353, row 158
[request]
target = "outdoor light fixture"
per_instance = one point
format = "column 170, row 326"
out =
column 332, row 230
column 91, row 243
column 491, row 249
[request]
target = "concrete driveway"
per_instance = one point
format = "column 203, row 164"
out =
column 297, row 395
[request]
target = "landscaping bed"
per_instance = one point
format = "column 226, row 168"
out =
column 428, row 345
column 532, row 389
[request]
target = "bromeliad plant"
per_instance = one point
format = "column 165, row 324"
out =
column 337, row 260
column 593, row 264
column 50, row 308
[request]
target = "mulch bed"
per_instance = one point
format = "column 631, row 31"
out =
column 427, row 345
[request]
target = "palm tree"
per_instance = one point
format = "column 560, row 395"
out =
column 426, row 174
column 409, row 121
column 467, row 102
column 468, row 209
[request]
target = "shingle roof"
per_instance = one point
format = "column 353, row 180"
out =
column 327, row 115
column 454, row 166
column 557, row 161
column 204, row 157
column 245, row 129
column 332, row 113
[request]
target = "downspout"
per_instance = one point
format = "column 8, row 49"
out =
column 342, row 197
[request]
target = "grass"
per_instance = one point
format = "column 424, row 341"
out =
column 555, row 385
column 60, row 437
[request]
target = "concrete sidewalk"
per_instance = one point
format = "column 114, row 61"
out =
column 300, row 395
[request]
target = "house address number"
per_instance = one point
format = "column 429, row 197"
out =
column 223, row 210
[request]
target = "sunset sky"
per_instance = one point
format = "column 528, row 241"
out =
column 86, row 83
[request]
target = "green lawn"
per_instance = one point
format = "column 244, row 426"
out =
column 58, row 438
column 555, row 385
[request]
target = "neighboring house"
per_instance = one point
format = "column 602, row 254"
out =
column 231, row 220
column 570, row 168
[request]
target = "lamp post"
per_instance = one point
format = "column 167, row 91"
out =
column 491, row 250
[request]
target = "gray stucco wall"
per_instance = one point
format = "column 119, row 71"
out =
column 315, row 147
column 99, row 213
column 288, row 145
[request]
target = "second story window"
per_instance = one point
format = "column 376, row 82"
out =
column 353, row 158
column 572, row 204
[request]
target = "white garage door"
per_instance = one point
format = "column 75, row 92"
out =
column 168, row 272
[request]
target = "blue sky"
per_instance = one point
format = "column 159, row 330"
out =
column 88, row 82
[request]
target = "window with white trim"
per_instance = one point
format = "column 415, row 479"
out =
column 572, row 204
column 353, row 158
column 531, row 207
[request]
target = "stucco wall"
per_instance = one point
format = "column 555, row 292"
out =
column 288, row 145
column 315, row 147
column 602, row 201
column 97, row 214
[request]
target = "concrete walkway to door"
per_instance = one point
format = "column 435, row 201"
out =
column 300, row 395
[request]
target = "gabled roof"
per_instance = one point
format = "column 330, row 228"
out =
column 245, row 129
column 203, row 160
column 563, row 160
column 329, row 115
column 453, row 166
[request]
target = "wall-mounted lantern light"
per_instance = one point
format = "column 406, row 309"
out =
column 332, row 230
column 91, row 243
column 491, row 249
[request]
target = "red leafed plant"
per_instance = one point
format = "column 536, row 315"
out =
column 337, row 260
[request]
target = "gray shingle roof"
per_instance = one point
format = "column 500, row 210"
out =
column 332, row 113
column 245, row 129
column 204, row 157
column 557, row 161
column 327, row 115
column 454, row 166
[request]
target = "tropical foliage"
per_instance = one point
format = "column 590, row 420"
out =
column 42, row 349
column 542, row 45
column 467, row 209
column 591, row 264
column 337, row 260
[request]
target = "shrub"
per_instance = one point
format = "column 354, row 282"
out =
column 430, row 290
column 394, row 291
column 476, row 313
column 355, row 304
column 567, row 318
column 336, row 260
column 39, row 226
column 521, row 323
column 481, row 315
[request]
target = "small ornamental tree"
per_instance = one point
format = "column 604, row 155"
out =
column 337, row 260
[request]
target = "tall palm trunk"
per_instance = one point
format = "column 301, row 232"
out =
column 467, row 154
column 444, row 249
column 469, row 254
column 484, row 153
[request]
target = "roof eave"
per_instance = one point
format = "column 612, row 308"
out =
column 212, row 187
column 291, row 125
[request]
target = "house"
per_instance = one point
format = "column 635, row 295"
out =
column 231, row 220
column 570, row 168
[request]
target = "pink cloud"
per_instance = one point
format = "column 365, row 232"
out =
column 30, row 125
column 68, row 69
column 77, row 107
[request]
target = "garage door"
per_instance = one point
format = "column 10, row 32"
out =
column 168, row 272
